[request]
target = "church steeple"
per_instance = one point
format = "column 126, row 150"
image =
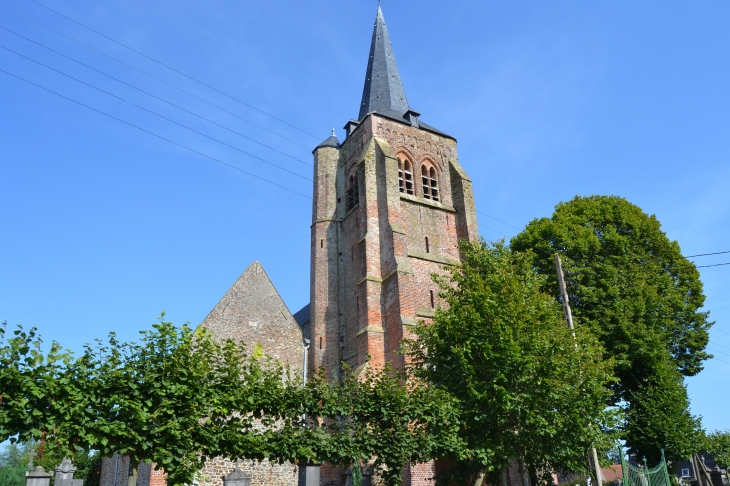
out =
column 383, row 92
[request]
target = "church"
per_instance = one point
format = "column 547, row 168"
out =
column 390, row 204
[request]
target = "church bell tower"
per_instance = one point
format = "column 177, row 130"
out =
column 391, row 203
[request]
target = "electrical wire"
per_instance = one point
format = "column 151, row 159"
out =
column 492, row 217
column 496, row 231
column 720, row 330
column 716, row 265
column 154, row 96
column 158, row 115
column 706, row 254
column 153, row 77
column 716, row 351
column 155, row 135
column 724, row 341
column 721, row 361
column 173, row 69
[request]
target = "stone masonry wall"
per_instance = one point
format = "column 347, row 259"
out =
column 253, row 312
column 262, row 473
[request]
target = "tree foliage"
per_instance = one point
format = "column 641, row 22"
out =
column 179, row 395
column 527, row 387
column 630, row 285
column 717, row 443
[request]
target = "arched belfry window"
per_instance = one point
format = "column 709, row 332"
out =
column 430, row 182
column 352, row 195
column 405, row 175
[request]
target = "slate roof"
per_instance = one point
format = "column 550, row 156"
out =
column 332, row 141
column 302, row 316
column 383, row 88
column 383, row 92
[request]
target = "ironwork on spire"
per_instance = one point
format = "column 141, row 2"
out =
column 383, row 92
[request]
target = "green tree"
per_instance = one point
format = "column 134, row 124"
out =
column 13, row 461
column 527, row 387
column 382, row 418
column 173, row 398
column 718, row 444
column 630, row 285
column 178, row 396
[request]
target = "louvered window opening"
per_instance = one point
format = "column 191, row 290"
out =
column 430, row 183
column 352, row 196
column 405, row 177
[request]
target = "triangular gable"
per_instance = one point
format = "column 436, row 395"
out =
column 253, row 312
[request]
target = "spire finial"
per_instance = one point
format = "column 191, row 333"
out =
column 333, row 132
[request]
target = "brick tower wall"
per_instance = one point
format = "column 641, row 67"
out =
column 371, row 265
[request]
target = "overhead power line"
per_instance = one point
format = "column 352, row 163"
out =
column 154, row 77
column 720, row 330
column 716, row 351
column 707, row 254
column 716, row 265
column 173, row 69
column 492, row 217
column 158, row 115
column 492, row 229
column 152, row 95
column 155, row 135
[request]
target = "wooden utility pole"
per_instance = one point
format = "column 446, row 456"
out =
column 569, row 320
column 564, row 293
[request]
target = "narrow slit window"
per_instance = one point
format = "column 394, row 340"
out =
column 433, row 304
column 352, row 195
column 321, row 243
column 427, row 248
column 320, row 342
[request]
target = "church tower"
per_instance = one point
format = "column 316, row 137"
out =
column 391, row 203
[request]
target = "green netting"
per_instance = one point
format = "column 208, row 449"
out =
column 645, row 476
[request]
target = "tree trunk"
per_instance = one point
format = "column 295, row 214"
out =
column 532, row 470
column 503, row 474
column 523, row 472
column 481, row 475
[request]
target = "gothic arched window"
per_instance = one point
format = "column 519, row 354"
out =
column 352, row 195
column 430, row 182
column 405, row 175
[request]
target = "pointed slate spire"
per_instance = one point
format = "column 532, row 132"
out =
column 383, row 91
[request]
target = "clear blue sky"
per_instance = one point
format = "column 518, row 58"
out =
column 103, row 226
